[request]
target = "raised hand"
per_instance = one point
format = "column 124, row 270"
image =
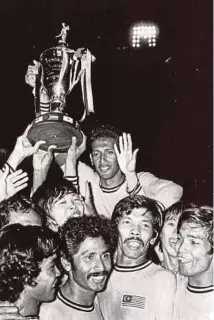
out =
column 23, row 148
column 23, row 145
column 73, row 154
column 42, row 159
column 125, row 156
column 12, row 183
column 32, row 71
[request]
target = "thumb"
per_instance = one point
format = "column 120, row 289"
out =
column 38, row 144
column 134, row 157
column 50, row 149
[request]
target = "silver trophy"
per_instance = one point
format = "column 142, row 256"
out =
column 59, row 69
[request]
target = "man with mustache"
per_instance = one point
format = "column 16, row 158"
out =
column 195, row 292
column 88, row 246
column 138, row 288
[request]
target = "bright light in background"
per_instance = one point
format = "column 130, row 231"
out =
column 144, row 33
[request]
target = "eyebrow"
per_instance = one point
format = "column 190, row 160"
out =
column 195, row 237
column 88, row 251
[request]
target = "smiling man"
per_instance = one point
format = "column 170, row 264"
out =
column 167, row 247
column 88, row 246
column 195, row 293
column 58, row 201
column 137, row 288
column 114, row 175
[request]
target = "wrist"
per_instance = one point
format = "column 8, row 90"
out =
column 15, row 159
column 131, row 175
column 70, row 169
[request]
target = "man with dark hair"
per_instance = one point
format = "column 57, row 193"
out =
column 167, row 247
column 195, row 293
column 114, row 176
column 88, row 246
column 58, row 201
column 28, row 267
column 19, row 209
column 137, row 288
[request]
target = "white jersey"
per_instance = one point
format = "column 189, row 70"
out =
column 193, row 303
column 142, row 292
column 105, row 199
column 64, row 309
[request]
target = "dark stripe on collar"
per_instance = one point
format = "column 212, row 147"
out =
column 72, row 304
column 110, row 190
column 132, row 268
column 195, row 289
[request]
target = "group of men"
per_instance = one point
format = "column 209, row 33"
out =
column 103, row 241
column 67, row 255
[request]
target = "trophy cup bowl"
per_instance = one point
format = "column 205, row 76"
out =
column 58, row 71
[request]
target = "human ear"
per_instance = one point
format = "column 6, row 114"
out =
column 91, row 159
column 66, row 264
column 154, row 238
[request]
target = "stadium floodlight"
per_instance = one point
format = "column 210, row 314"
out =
column 144, row 33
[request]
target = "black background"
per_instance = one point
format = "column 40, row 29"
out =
column 162, row 95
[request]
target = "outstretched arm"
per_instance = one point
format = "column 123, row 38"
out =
column 41, row 164
column 70, row 167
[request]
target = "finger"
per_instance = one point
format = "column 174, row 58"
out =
column 84, row 139
column 74, row 141
column 21, row 187
column 73, row 144
column 20, row 182
column 129, row 141
column 50, row 149
column 17, row 175
column 35, row 62
column 134, row 157
column 10, row 316
column 9, row 310
column 26, row 130
column 121, row 143
column 38, row 145
column 125, row 141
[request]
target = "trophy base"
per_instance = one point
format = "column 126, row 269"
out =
column 56, row 129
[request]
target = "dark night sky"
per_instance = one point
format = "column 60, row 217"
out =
column 166, row 106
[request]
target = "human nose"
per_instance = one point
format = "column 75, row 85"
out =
column 182, row 248
column 135, row 231
column 99, row 265
column 103, row 157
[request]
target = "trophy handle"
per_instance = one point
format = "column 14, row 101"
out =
column 37, row 91
column 87, row 95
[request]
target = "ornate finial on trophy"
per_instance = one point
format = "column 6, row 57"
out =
column 63, row 33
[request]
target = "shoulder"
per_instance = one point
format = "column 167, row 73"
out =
column 143, row 175
column 162, row 275
column 49, row 310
